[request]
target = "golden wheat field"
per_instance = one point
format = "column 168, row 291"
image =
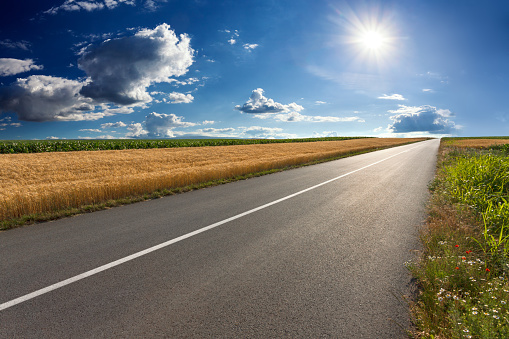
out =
column 42, row 182
column 478, row 143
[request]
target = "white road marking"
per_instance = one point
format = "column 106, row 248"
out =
column 84, row 275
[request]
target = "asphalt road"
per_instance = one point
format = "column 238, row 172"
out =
column 327, row 262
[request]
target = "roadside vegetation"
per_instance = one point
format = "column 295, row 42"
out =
column 46, row 186
column 40, row 146
column 463, row 273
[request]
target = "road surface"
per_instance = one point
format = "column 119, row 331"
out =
column 312, row 252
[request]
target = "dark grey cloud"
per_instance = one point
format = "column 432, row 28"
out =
column 120, row 70
column 422, row 119
column 44, row 98
column 118, row 74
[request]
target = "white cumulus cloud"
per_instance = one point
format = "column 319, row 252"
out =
column 258, row 103
column 113, row 125
column 162, row 125
column 422, row 119
column 10, row 66
column 136, row 130
column 180, row 98
column 250, row 47
column 120, row 70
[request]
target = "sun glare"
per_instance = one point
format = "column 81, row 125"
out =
column 372, row 40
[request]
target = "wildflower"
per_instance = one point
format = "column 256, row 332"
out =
column 502, row 302
column 440, row 298
column 457, row 268
column 474, row 312
column 466, row 331
column 496, row 317
column 456, row 245
column 487, row 270
column 463, row 258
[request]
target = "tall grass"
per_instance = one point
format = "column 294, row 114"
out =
column 464, row 270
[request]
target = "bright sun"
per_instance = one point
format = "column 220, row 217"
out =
column 372, row 40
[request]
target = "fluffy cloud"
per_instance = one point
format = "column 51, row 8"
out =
column 180, row 98
column 120, row 70
column 136, row 131
column 257, row 103
column 250, row 47
column 421, row 119
column 392, row 97
column 10, row 66
column 113, row 125
column 162, row 125
column 45, row 98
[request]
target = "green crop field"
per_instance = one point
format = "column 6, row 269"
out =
column 40, row 146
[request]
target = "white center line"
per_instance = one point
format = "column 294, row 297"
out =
column 102, row 268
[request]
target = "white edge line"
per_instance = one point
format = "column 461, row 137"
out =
column 99, row 269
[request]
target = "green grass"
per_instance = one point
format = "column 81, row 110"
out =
column 464, row 270
column 40, row 146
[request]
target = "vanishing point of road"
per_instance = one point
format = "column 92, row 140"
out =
column 318, row 251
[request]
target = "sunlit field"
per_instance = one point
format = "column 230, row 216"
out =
column 42, row 182
column 464, row 268
column 477, row 142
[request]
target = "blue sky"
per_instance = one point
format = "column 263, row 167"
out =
column 96, row 69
